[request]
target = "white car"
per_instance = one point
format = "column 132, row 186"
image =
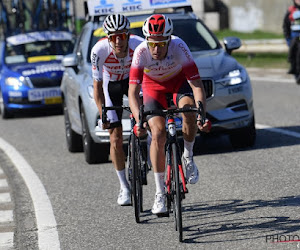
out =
column 227, row 84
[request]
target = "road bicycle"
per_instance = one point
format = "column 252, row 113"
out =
column 137, row 167
column 175, row 179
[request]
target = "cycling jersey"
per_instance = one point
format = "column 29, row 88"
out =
column 163, row 76
column 112, row 70
column 291, row 23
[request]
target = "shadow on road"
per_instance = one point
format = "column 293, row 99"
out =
column 219, row 144
column 264, row 139
column 238, row 227
column 36, row 113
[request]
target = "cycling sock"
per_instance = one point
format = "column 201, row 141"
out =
column 160, row 182
column 122, row 178
column 188, row 149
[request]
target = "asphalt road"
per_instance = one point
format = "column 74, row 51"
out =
column 245, row 199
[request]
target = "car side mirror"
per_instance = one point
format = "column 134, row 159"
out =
column 70, row 61
column 231, row 43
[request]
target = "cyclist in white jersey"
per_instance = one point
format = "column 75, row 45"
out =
column 111, row 59
column 162, row 65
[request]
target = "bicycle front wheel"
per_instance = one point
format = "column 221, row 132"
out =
column 136, row 185
column 177, row 193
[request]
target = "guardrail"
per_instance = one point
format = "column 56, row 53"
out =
column 263, row 46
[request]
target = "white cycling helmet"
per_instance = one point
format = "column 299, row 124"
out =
column 115, row 22
column 158, row 25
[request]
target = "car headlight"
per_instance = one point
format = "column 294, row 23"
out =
column 91, row 91
column 16, row 83
column 234, row 77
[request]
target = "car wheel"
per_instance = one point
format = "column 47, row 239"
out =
column 74, row 140
column 3, row 110
column 244, row 137
column 93, row 152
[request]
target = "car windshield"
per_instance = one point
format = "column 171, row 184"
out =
column 27, row 52
column 192, row 31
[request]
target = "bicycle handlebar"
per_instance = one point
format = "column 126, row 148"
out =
column 116, row 108
column 201, row 113
column 142, row 114
column 171, row 111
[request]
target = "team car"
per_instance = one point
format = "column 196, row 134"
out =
column 227, row 85
column 31, row 70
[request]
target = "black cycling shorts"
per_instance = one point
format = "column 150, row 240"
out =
column 116, row 91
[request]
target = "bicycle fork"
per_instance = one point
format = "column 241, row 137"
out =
column 170, row 172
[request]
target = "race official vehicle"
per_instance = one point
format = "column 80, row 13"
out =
column 31, row 70
column 227, row 85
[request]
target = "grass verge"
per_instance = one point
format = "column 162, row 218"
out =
column 262, row 60
column 257, row 60
column 258, row 34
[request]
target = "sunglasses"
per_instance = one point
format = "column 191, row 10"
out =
column 158, row 43
column 122, row 36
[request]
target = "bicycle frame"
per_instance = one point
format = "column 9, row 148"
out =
column 175, row 181
column 172, row 139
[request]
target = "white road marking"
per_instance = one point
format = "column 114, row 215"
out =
column 3, row 183
column 46, row 224
column 5, row 198
column 45, row 220
column 6, row 216
column 6, row 240
column 278, row 130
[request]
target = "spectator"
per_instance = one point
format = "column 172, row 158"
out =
column 291, row 31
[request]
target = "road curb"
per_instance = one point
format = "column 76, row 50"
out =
column 7, row 223
column 270, row 75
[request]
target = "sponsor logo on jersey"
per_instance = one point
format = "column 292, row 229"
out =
column 185, row 51
column 111, row 59
column 138, row 56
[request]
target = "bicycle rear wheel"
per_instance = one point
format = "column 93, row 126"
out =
column 177, row 194
column 136, row 182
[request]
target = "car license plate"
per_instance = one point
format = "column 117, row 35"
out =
column 47, row 94
column 234, row 90
column 53, row 100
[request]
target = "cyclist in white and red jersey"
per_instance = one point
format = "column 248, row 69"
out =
column 163, row 64
column 111, row 60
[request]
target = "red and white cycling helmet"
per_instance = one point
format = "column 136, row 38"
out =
column 158, row 25
column 115, row 22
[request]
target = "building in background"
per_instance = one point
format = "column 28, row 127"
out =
column 239, row 15
column 250, row 15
